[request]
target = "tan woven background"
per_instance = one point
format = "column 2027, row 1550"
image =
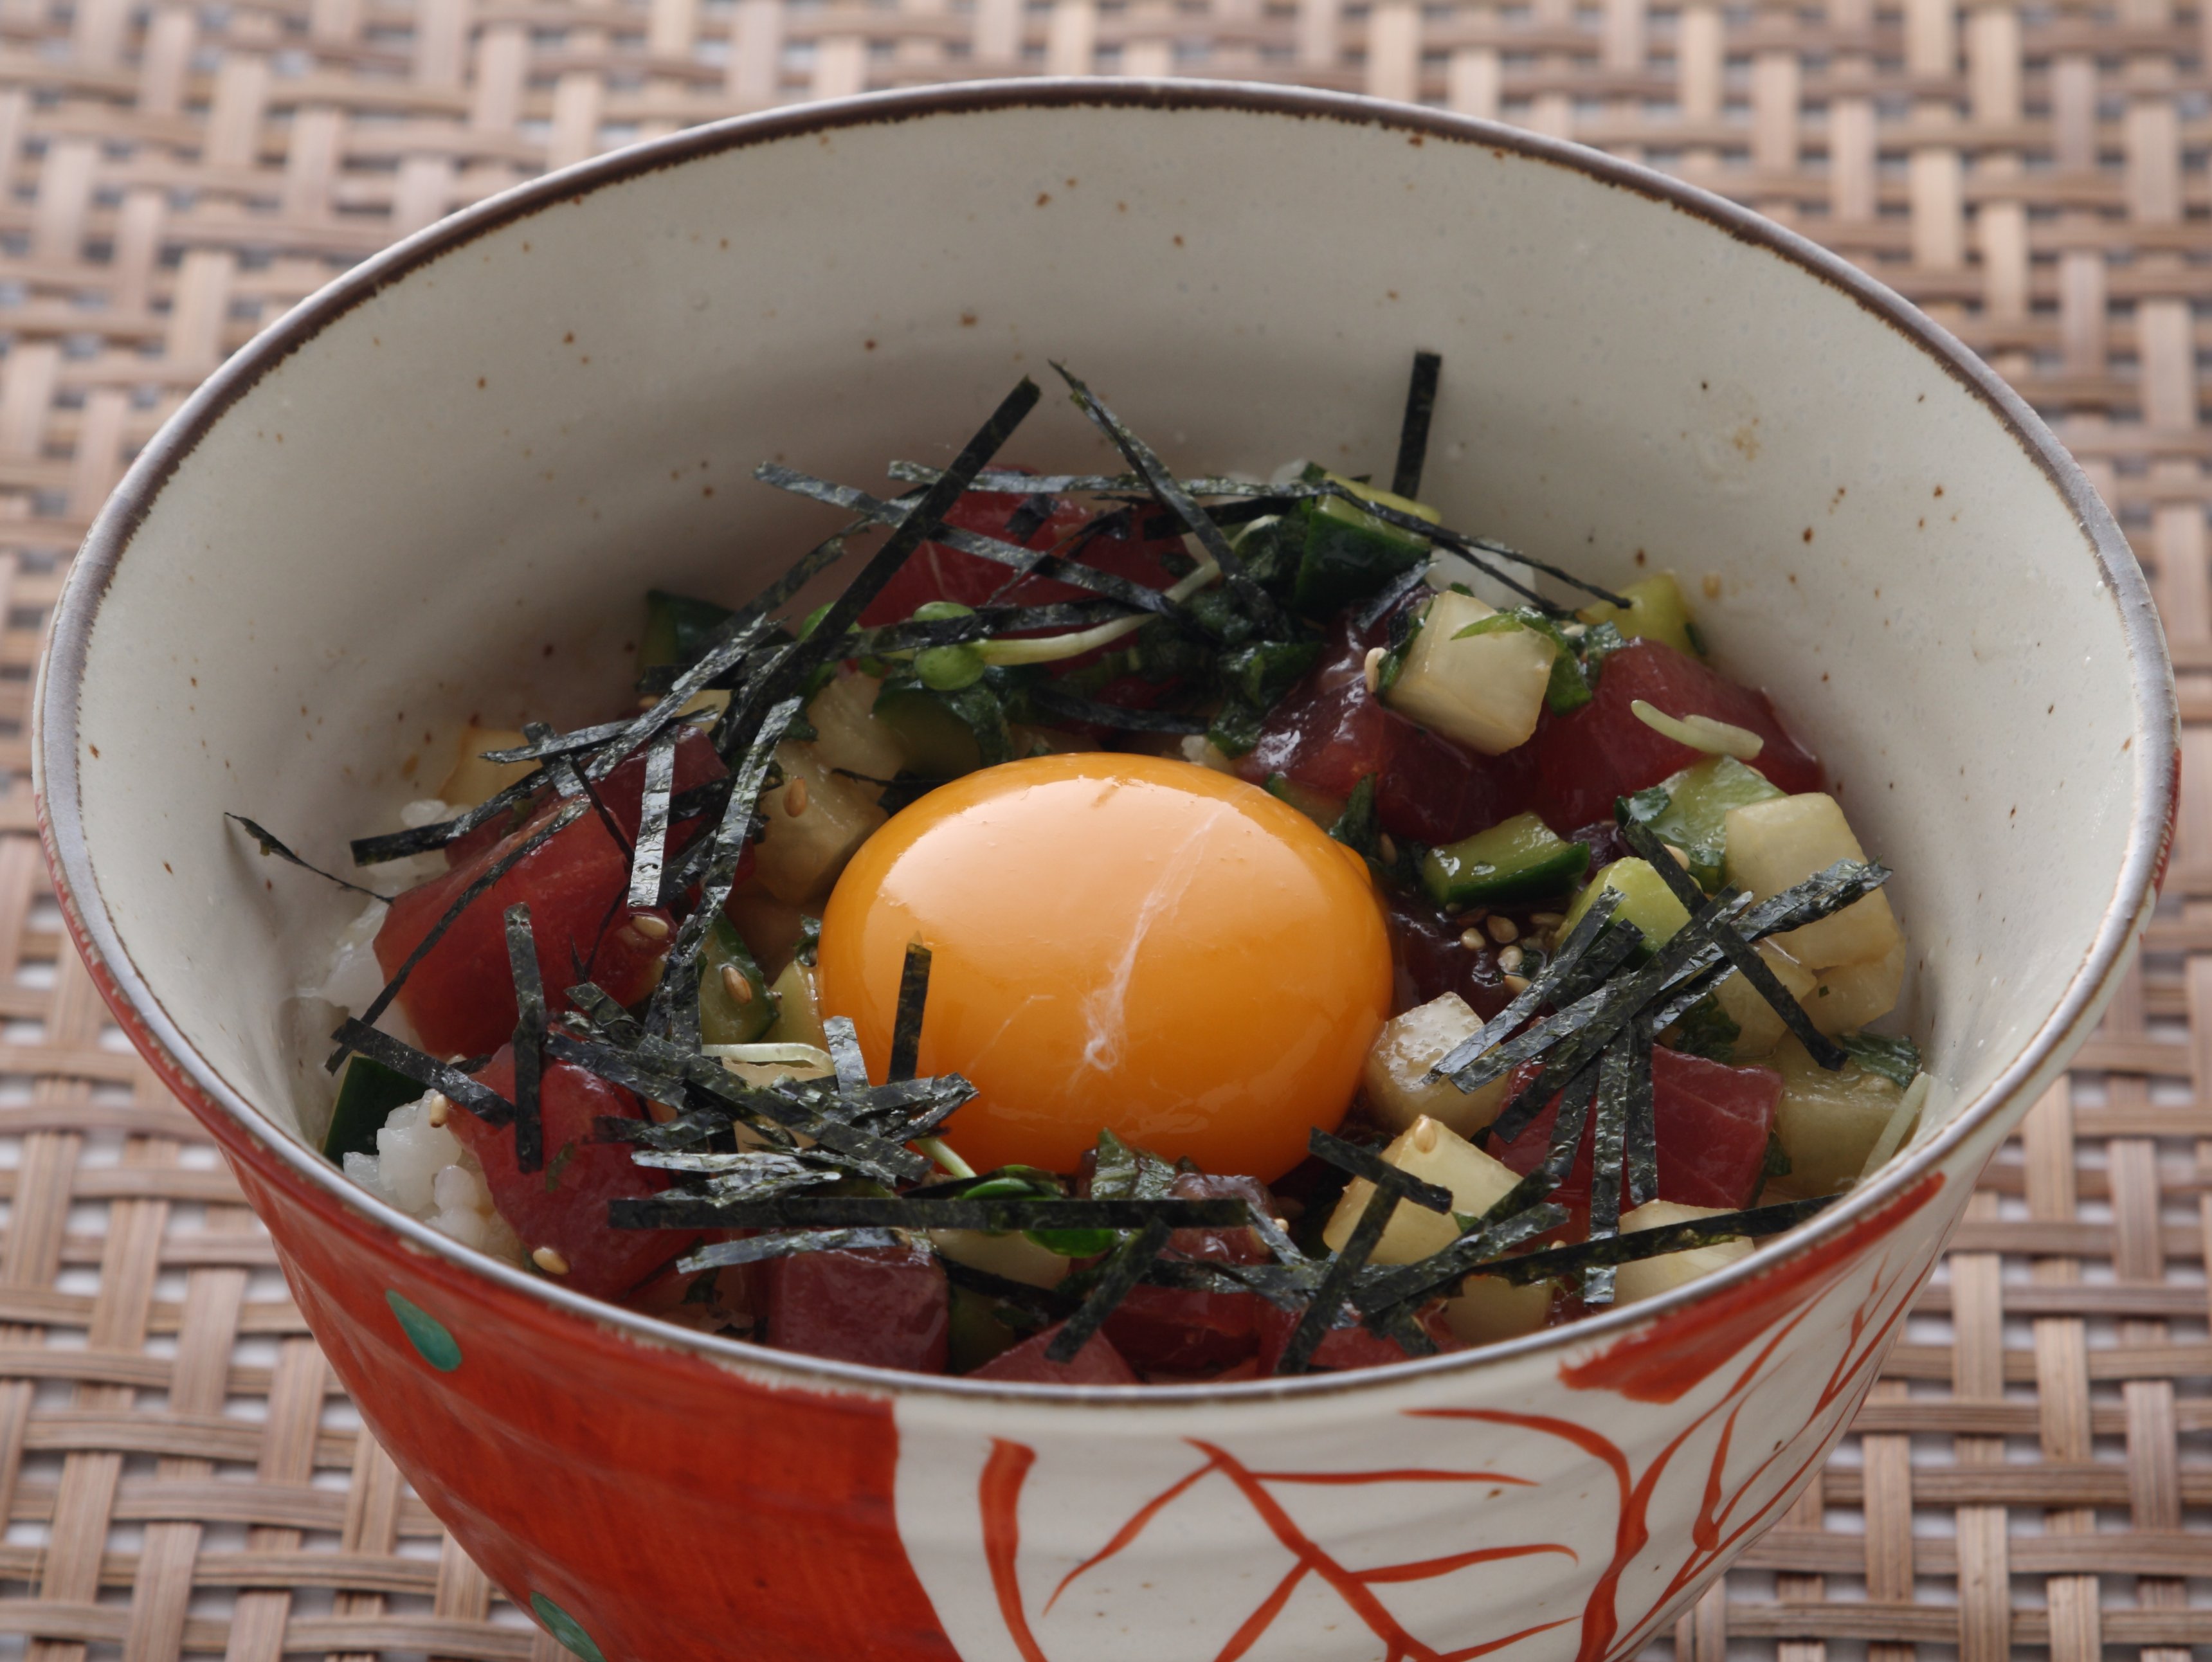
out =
column 177, row 1471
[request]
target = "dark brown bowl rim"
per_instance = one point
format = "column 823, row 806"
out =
column 55, row 781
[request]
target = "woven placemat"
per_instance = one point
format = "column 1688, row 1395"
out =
column 177, row 1472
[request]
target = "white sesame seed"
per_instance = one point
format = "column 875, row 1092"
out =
column 550, row 1261
column 1472, row 939
column 437, row 1107
column 1548, row 919
column 1680, row 858
column 740, row 989
column 1517, row 984
column 794, row 798
column 1509, row 960
column 1386, row 848
column 1372, row 669
column 653, row 928
column 1503, row 932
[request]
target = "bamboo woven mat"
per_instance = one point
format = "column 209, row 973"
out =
column 178, row 1472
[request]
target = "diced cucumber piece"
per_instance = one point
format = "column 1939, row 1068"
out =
column 974, row 1332
column 1691, row 810
column 944, row 734
column 1395, row 1076
column 1845, row 997
column 1648, row 1278
column 1347, row 554
column 849, row 735
column 1318, row 806
column 676, row 628
column 366, row 1101
column 1656, row 611
column 1486, row 690
column 1775, row 844
column 1434, row 1154
column 804, row 851
column 725, row 1019
column 1516, row 859
column 1646, row 901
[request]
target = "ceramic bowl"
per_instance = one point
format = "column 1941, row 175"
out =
column 437, row 488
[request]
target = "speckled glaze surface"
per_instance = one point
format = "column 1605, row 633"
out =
column 574, row 380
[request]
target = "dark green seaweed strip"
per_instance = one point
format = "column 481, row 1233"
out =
column 1608, row 1145
column 886, row 1159
column 1259, row 604
column 728, row 847
column 427, row 1072
column 809, row 566
column 984, row 624
column 897, row 1097
column 566, row 745
column 1120, row 1273
column 1024, row 562
column 724, row 1254
column 598, row 1007
column 1413, row 426
column 1821, row 895
column 678, row 1211
column 1587, row 929
column 1575, row 1099
column 1415, row 1283
column 759, row 1168
column 1640, row 1141
column 1006, row 481
column 686, row 1131
column 652, row 848
column 643, row 727
column 1032, row 516
column 529, row 1038
column 842, row 1040
column 1343, row 1272
column 1043, row 1301
column 1070, row 707
column 422, row 839
column 906, row 1024
column 269, row 844
column 568, row 813
column 616, row 1067
column 1365, row 1162
column 1739, row 952
column 1640, row 1244
column 1470, row 546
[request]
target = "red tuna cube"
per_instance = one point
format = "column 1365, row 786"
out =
column 1098, row 1363
column 883, row 1307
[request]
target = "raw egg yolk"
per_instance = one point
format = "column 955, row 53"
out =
column 1119, row 942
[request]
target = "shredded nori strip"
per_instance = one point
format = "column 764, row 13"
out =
column 723, row 1254
column 568, row 813
column 678, row 1210
column 529, row 1038
column 1640, row 1138
column 1007, row 481
column 1036, row 1300
column 686, row 1131
column 1587, row 929
column 1641, row 1244
column 426, row 1070
column 1068, row 706
column 726, row 654
column 1388, row 597
column 906, row 1024
column 1609, row 1143
column 269, row 844
column 1365, row 1162
column 1258, row 603
column 1413, row 427
column 422, row 839
column 842, row 1040
column 1407, row 1285
column 1740, row 952
column 598, row 1007
column 563, row 744
column 1118, row 1275
column 1343, row 1271
column 616, row 1067
column 653, row 821
column 1576, row 1097
column 984, row 624
column 1034, row 513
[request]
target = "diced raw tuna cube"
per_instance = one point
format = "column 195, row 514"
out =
column 1098, row 1363
column 886, row 1306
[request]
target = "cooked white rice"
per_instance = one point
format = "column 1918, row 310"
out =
column 424, row 1171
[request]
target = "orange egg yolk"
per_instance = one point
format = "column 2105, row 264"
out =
column 1119, row 942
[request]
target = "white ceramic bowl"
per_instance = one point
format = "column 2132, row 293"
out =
column 437, row 488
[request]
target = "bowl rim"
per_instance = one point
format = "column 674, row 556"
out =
column 55, row 781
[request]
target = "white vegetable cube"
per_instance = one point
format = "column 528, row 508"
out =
column 797, row 1008
column 1828, row 1122
column 1406, row 1048
column 473, row 779
column 1485, row 690
column 1758, row 1024
column 817, row 821
column 1648, row 1278
column 1492, row 1310
column 1777, row 844
column 1434, row 1154
column 848, row 736
column 1847, row 997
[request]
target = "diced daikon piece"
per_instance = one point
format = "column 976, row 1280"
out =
column 1648, row 1278
column 1758, row 1024
column 1434, row 1154
column 804, row 851
column 1485, row 690
column 1828, row 1122
column 1012, row 1255
column 1406, row 1048
column 473, row 780
column 1776, row 845
column 848, row 734
column 1492, row 1309
column 1847, row 997
column 798, row 1009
